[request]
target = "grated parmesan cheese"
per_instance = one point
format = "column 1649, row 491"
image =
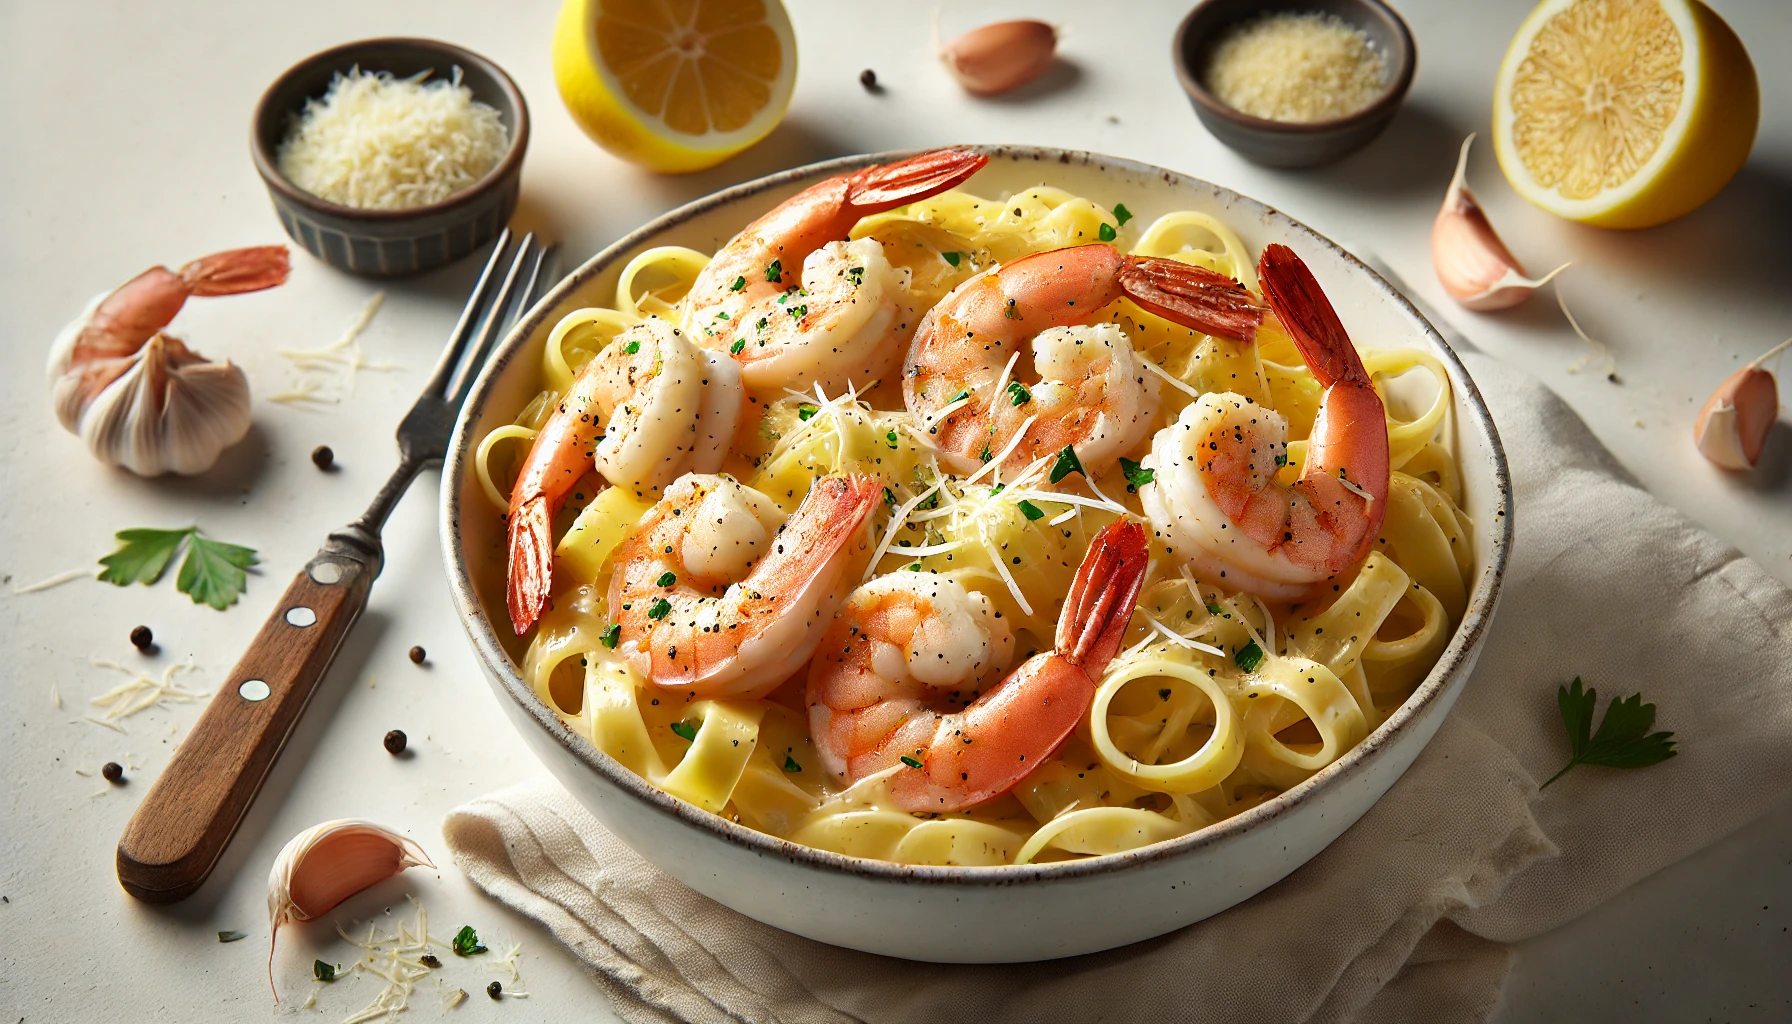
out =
column 1296, row 67
column 375, row 142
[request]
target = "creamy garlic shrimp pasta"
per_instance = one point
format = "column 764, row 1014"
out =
column 927, row 527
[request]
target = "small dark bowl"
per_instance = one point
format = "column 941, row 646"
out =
column 391, row 243
column 1289, row 143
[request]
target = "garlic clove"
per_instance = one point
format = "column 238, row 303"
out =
column 1474, row 266
column 1733, row 426
column 326, row 864
column 1000, row 56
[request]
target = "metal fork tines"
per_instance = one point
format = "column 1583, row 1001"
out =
column 509, row 284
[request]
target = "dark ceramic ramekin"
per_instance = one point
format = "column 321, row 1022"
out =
column 1290, row 143
column 391, row 243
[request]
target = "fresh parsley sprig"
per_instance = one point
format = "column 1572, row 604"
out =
column 466, row 942
column 213, row 572
column 1623, row 739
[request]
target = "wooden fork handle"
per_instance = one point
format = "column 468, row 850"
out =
column 191, row 811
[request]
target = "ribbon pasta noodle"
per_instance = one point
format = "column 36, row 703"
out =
column 1218, row 700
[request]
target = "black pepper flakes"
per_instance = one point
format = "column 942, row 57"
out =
column 113, row 772
column 395, row 742
column 323, row 458
column 143, row 639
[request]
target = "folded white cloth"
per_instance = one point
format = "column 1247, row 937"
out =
column 1403, row 918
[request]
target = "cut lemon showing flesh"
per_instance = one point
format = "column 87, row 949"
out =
column 675, row 85
column 1624, row 113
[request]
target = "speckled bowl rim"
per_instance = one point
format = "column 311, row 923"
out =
column 1396, row 91
column 1463, row 646
column 268, row 166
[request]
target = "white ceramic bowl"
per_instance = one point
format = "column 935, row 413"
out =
column 952, row 914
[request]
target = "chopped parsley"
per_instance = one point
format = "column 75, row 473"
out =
column 660, row 609
column 889, row 496
column 739, row 283
column 231, row 936
column 612, row 636
column 213, row 573
column 952, row 257
column 1249, row 657
column 739, row 343
column 961, row 396
column 686, row 730
column 1623, row 739
column 1067, row 464
column 466, row 942
column 1213, row 608
column 667, row 578
column 322, row 971
column 775, row 272
column 631, row 348
column 857, row 274
column 798, row 312
column 890, row 439
column 1282, row 459
column 1122, row 214
column 1031, row 511
column 911, row 762
column 1137, row 476
column 790, row 764
column 1107, row 232
column 805, row 411
column 1018, row 393
column 986, row 454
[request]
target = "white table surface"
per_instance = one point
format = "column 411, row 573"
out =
column 125, row 133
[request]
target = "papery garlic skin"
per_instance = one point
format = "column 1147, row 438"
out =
column 161, row 409
column 1473, row 265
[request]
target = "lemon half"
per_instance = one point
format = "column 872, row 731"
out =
column 675, row 85
column 1624, row 113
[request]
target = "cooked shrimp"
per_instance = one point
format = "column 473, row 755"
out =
column 1214, row 497
column 649, row 407
column 1088, row 389
column 794, row 303
column 122, row 322
column 893, row 675
column 715, row 593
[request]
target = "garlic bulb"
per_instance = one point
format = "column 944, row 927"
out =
column 142, row 399
column 1000, row 56
column 326, row 864
column 1474, row 266
column 1732, row 428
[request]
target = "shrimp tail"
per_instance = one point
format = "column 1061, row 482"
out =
column 1192, row 296
column 880, row 188
column 531, row 562
column 1102, row 597
column 1309, row 318
column 237, row 270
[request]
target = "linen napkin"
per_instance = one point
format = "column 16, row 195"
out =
column 1404, row 917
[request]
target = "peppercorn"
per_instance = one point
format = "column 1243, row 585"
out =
column 430, row 961
column 322, row 457
column 113, row 772
column 142, row 638
column 494, row 990
column 417, row 655
column 395, row 742
column 868, row 79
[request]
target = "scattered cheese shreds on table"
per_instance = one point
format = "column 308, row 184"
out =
column 375, row 142
column 140, row 691
column 54, row 581
column 325, row 375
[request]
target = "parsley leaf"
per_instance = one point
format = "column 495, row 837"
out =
column 1623, row 739
column 612, row 636
column 889, row 496
column 466, row 941
column 1030, row 510
column 1107, row 232
column 952, row 257
column 739, row 283
column 1282, row 458
column 667, row 579
column 1137, row 476
column 775, row 272
column 685, row 729
column 1018, row 393
column 660, row 609
column 144, row 556
column 1249, row 657
column 986, row 454
column 790, row 764
column 1213, row 608
column 322, row 971
column 856, row 274
column 1067, row 464
column 231, row 936
column 805, row 411
column 911, row 762
column 963, row 394
column 631, row 348
column 739, row 343
column 214, row 572
column 1122, row 214
column 890, row 439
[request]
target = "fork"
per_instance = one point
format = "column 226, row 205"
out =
column 189, row 815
